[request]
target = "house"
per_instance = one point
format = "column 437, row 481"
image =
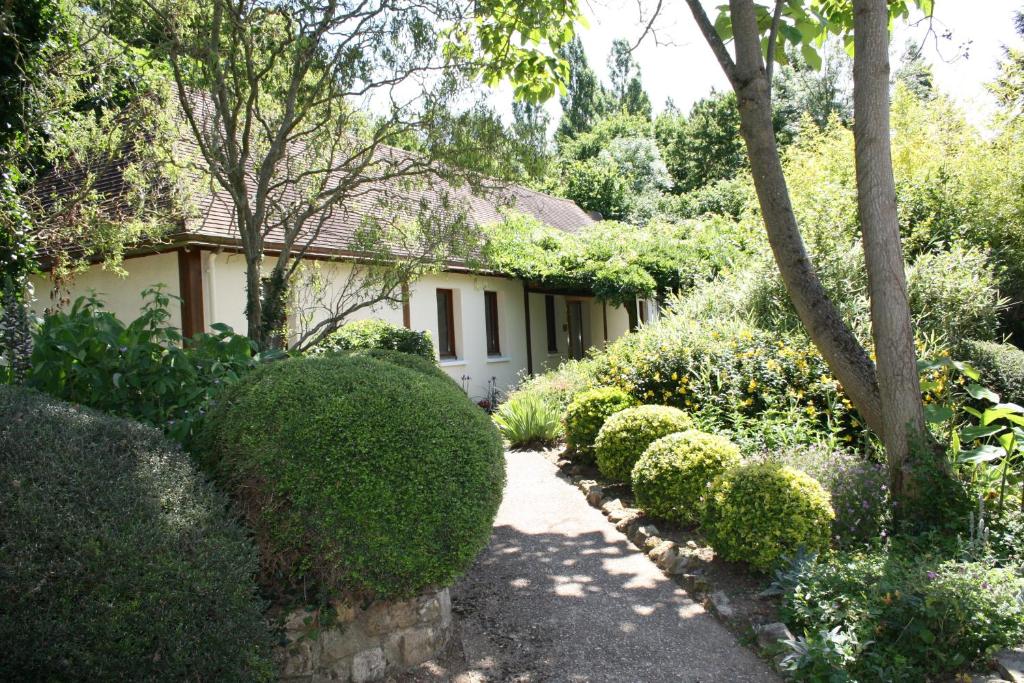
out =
column 489, row 329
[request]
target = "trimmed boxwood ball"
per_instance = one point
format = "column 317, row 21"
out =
column 759, row 513
column 586, row 415
column 118, row 561
column 362, row 479
column 403, row 359
column 674, row 473
column 626, row 435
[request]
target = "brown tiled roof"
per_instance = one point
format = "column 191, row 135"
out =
column 210, row 218
column 380, row 201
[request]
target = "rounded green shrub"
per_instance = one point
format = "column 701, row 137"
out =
column 674, row 473
column 402, row 359
column 586, row 415
column 627, row 434
column 378, row 334
column 118, row 561
column 759, row 513
column 361, row 478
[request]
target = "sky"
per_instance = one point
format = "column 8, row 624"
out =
column 676, row 62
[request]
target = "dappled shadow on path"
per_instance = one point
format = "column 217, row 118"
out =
column 583, row 606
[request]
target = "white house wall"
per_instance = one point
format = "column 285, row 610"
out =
column 121, row 294
column 223, row 285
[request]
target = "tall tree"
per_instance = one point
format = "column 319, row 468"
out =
column 916, row 73
column 819, row 87
column 585, row 99
column 530, row 128
column 271, row 93
column 627, row 87
column 705, row 146
column 903, row 425
column 893, row 407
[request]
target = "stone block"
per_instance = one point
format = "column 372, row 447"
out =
column 664, row 553
column 585, row 485
column 297, row 659
column 345, row 613
column 1010, row 664
column 444, row 601
column 613, row 505
column 772, row 636
column 624, row 513
column 337, row 644
column 642, row 532
column 378, row 618
column 678, row 564
column 369, row 665
column 405, row 614
column 595, row 496
column 719, row 603
column 418, row 646
column 430, row 610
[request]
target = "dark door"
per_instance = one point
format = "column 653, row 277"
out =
column 576, row 329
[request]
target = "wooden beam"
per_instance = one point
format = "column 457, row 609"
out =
column 529, row 336
column 190, row 289
column 604, row 315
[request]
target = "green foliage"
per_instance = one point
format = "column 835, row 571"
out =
column 761, row 513
column 527, row 420
column 139, row 370
column 615, row 261
column 596, row 185
column 586, row 415
column 1001, row 367
column 120, row 561
column 585, row 99
column 705, row 146
column 402, row 359
column 626, row 435
column 728, row 373
column 519, row 40
column 378, row 334
column 560, row 386
column 675, row 473
column 955, row 294
column 627, row 89
column 898, row 615
column 360, row 478
column 859, row 489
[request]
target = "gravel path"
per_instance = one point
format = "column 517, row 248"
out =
column 560, row 595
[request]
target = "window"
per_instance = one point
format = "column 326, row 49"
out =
column 445, row 323
column 549, row 314
column 491, row 321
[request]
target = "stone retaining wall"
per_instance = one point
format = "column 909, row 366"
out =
column 359, row 645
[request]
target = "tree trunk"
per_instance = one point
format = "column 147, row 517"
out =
column 845, row 356
column 254, row 300
column 903, row 424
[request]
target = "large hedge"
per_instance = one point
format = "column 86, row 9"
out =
column 117, row 560
column 627, row 434
column 361, row 478
column 378, row 334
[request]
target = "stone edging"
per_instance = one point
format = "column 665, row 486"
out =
column 683, row 564
column 346, row 643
